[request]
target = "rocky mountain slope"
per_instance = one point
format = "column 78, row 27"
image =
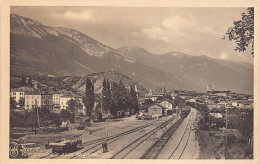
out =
column 40, row 50
column 56, row 51
column 78, row 84
column 199, row 70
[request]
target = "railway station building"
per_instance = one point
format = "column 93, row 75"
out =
column 156, row 110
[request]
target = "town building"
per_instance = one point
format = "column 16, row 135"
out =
column 154, row 95
column 33, row 99
column 64, row 99
column 234, row 103
column 168, row 105
column 209, row 88
column 56, row 99
column 223, row 94
column 222, row 103
column 193, row 100
column 156, row 110
column 18, row 93
column 47, row 101
column 215, row 113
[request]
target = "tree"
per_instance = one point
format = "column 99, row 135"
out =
column 115, row 98
column 243, row 31
column 30, row 82
column 57, row 121
column 21, row 102
column 72, row 108
column 133, row 99
column 72, row 105
column 78, row 105
column 106, row 96
column 12, row 103
column 178, row 101
column 122, row 96
column 14, row 119
column 89, row 98
column 65, row 114
column 30, row 120
column 23, row 81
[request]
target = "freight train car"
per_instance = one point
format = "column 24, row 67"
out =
column 66, row 145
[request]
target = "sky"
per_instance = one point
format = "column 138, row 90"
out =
column 194, row 31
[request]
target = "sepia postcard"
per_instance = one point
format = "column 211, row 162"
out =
column 157, row 81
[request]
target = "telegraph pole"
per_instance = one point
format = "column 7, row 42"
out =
column 38, row 118
column 37, row 112
column 209, row 123
column 226, row 133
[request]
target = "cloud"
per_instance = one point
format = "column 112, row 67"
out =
column 155, row 33
column 76, row 15
column 223, row 56
column 176, row 23
column 208, row 30
column 178, row 29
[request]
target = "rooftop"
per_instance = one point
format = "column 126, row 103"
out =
column 34, row 92
column 22, row 89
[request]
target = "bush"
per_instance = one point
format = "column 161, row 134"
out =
column 231, row 138
column 65, row 115
column 12, row 103
column 57, row 122
column 72, row 118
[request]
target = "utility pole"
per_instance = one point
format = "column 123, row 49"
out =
column 37, row 112
column 38, row 118
column 226, row 133
column 209, row 123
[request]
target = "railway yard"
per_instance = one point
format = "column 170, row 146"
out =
column 170, row 137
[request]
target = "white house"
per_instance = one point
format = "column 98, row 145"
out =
column 234, row 103
column 56, row 98
column 18, row 93
column 167, row 104
column 63, row 101
column 33, row 99
column 17, row 96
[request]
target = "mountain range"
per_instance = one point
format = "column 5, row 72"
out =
column 37, row 49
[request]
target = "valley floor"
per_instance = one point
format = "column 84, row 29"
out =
column 182, row 144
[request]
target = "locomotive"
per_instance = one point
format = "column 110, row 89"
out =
column 185, row 112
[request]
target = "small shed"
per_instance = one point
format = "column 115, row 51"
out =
column 215, row 113
column 156, row 109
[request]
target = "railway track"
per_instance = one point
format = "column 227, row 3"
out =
column 123, row 153
column 182, row 144
column 117, row 138
column 154, row 151
column 96, row 143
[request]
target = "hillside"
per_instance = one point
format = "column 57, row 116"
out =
column 78, row 84
column 39, row 50
column 199, row 70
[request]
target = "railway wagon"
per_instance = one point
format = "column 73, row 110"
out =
column 66, row 145
column 185, row 112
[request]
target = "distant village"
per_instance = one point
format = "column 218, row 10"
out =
column 37, row 110
column 158, row 101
